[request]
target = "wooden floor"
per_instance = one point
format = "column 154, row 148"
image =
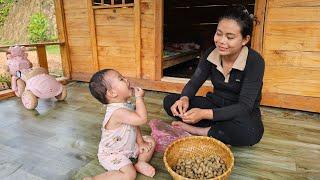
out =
column 59, row 140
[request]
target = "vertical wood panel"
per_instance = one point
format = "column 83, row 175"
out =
column 258, row 31
column 79, row 36
column 42, row 56
column 291, row 51
column 147, row 39
column 158, row 47
column 117, row 38
column 137, row 29
column 93, row 36
column 62, row 33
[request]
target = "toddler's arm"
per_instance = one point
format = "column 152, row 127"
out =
column 141, row 109
column 137, row 117
column 139, row 136
column 144, row 146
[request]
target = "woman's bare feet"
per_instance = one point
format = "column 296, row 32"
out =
column 191, row 129
column 145, row 168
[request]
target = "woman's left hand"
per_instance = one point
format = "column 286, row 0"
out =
column 192, row 116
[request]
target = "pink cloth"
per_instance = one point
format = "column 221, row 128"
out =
column 44, row 86
column 117, row 146
column 164, row 134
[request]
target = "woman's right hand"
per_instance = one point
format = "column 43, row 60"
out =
column 180, row 106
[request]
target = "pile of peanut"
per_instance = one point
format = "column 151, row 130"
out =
column 200, row 168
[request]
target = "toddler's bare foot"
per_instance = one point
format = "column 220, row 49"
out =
column 145, row 168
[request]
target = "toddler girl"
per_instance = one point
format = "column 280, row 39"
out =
column 121, row 139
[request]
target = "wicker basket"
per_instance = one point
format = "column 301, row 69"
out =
column 197, row 146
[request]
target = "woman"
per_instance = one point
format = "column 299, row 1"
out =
column 230, row 114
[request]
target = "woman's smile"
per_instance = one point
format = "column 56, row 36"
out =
column 222, row 48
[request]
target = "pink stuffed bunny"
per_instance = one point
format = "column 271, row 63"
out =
column 31, row 83
column 17, row 61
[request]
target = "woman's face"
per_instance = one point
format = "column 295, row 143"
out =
column 228, row 38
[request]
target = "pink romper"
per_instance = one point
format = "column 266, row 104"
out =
column 118, row 145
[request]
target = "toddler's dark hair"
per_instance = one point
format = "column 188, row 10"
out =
column 241, row 15
column 98, row 86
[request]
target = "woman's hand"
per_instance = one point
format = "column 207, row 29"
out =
column 180, row 106
column 144, row 146
column 193, row 116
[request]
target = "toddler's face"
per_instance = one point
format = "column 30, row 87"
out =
column 119, row 84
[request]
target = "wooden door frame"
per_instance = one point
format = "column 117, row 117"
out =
column 258, row 30
column 158, row 33
column 62, row 35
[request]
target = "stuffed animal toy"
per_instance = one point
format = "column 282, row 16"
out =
column 31, row 83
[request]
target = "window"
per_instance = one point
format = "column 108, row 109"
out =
column 112, row 3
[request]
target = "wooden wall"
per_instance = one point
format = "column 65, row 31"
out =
column 148, row 62
column 78, row 36
column 106, row 38
column 115, row 39
column 291, row 49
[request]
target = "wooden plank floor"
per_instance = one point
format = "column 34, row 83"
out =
column 59, row 140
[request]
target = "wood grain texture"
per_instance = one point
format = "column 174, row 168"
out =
column 291, row 50
column 6, row 94
column 78, row 35
column 93, row 36
column 293, row 36
column 137, row 33
column 296, row 14
column 293, row 3
column 292, row 58
column 59, row 140
column 290, row 101
column 292, row 80
column 158, row 46
column 171, row 61
column 62, row 35
column 116, row 40
column 125, row 65
column 42, row 57
column 148, row 40
column 258, row 30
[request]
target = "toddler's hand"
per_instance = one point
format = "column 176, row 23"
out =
column 138, row 92
column 144, row 147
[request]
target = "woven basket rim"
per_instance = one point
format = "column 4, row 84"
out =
column 174, row 174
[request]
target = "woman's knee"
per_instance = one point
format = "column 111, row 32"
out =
column 242, row 138
column 168, row 101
